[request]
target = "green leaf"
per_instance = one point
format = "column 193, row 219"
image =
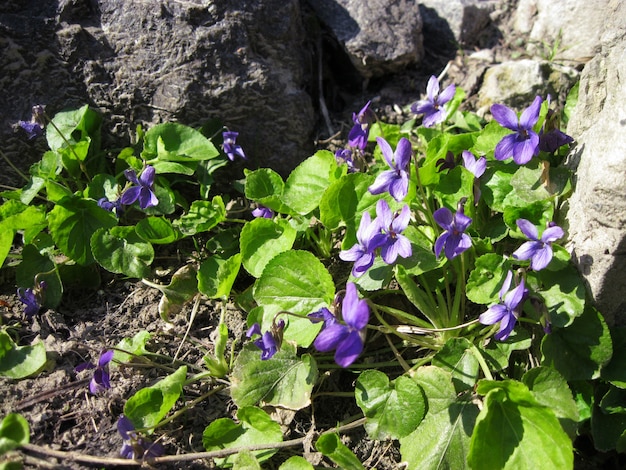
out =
column 514, row 431
column 551, row 390
column 563, row 294
column 306, row 184
column 121, row 250
column 497, row 184
column 453, row 186
column 6, row 241
column 217, row 276
column 457, row 357
column 175, row 142
column 285, row 380
column 441, row 441
column 157, row 230
column 128, row 348
column 295, row 281
column 36, row 267
column 202, row 216
column 422, row 259
column 296, row 463
column 255, row 428
column 18, row 362
column 615, row 370
column 497, row 353
column 14, row 432
column 74, row 126
column 579, row 351
column 607, row 429
column 488, row 139
column 245, row 460
column 345, row 201
column 266, row 187
column 262, row 239
column 393, row 410
column 485, row 281
column 73, row 221
column 147, row 407
column 181, row 289
column 331, row 446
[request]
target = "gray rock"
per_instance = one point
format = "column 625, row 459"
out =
column 597, row 208
column 152, row 61
column 516, row 83
column 566, row 29
column 449, row 24
column 379, row 36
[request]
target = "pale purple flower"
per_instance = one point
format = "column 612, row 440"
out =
column 144, row 189
column 231, row 149
column 523, row 144
column 453, row 240
column 537, row 250
column 101, row 379
column 357, row 137
column 264, row 212
column 134, row 446
column 362, row 253
column 432, row 107
column 270, row 341
column 32, row 299
column 508, row 310
column 396, row 180
column 476, row 166
column 347, row 339
column 392, row 225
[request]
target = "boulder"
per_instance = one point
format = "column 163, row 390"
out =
column 165, row 60
column 379, row 36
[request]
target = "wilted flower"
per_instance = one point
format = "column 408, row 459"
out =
column 101, row 379
column 396, row 180
column 523, row 144
column 144, row 191
column 508, row 310
column 270, row 341
column 432, row 107
column 392, row 225
column 231, row 149
column 453, row 238
column 537, row 250
column 357, row 137
column 347, row 339
column 32, row 298
column 134, row 446
column 34, row 127
column 369, row 238
column 264, row 212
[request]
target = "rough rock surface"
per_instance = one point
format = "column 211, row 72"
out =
column 152, row 61
column 379, row 36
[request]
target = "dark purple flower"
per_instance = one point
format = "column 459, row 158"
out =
column 508, row 310
column 136, row 447
column 270, row 341
column 347, row 339
column 32, row 299
column 264, row 212
column 550, row 136
column 537, row 250
column 432, row 107
column 357, row 137
column 34, row 127
column 369, row 238
column 447, row 163
column 476, row 166
column 396, row 180
column 111, row 206
column 144, row 189
column 453, row 238
column 523, row 144
column 392, row 225
column 101, row 379
column 231, row 149
column 346, row 156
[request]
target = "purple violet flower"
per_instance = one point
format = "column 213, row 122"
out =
column 537, row 250
column 362, row 253
column 101, row 379
column 231, row 149
column 508, row 310
column 346, row 156
column 136, row 447
column 476, row 166
column 357, row 137
column 392, row 225
column 111, row 206
column 523, row 144
column 34, row 127
column 264, row 212
column 347, row 339
column 396, row 180
column 432, row 107
column 270, row 341
column 32, row 298
column 144, row 191
column 453, row 238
